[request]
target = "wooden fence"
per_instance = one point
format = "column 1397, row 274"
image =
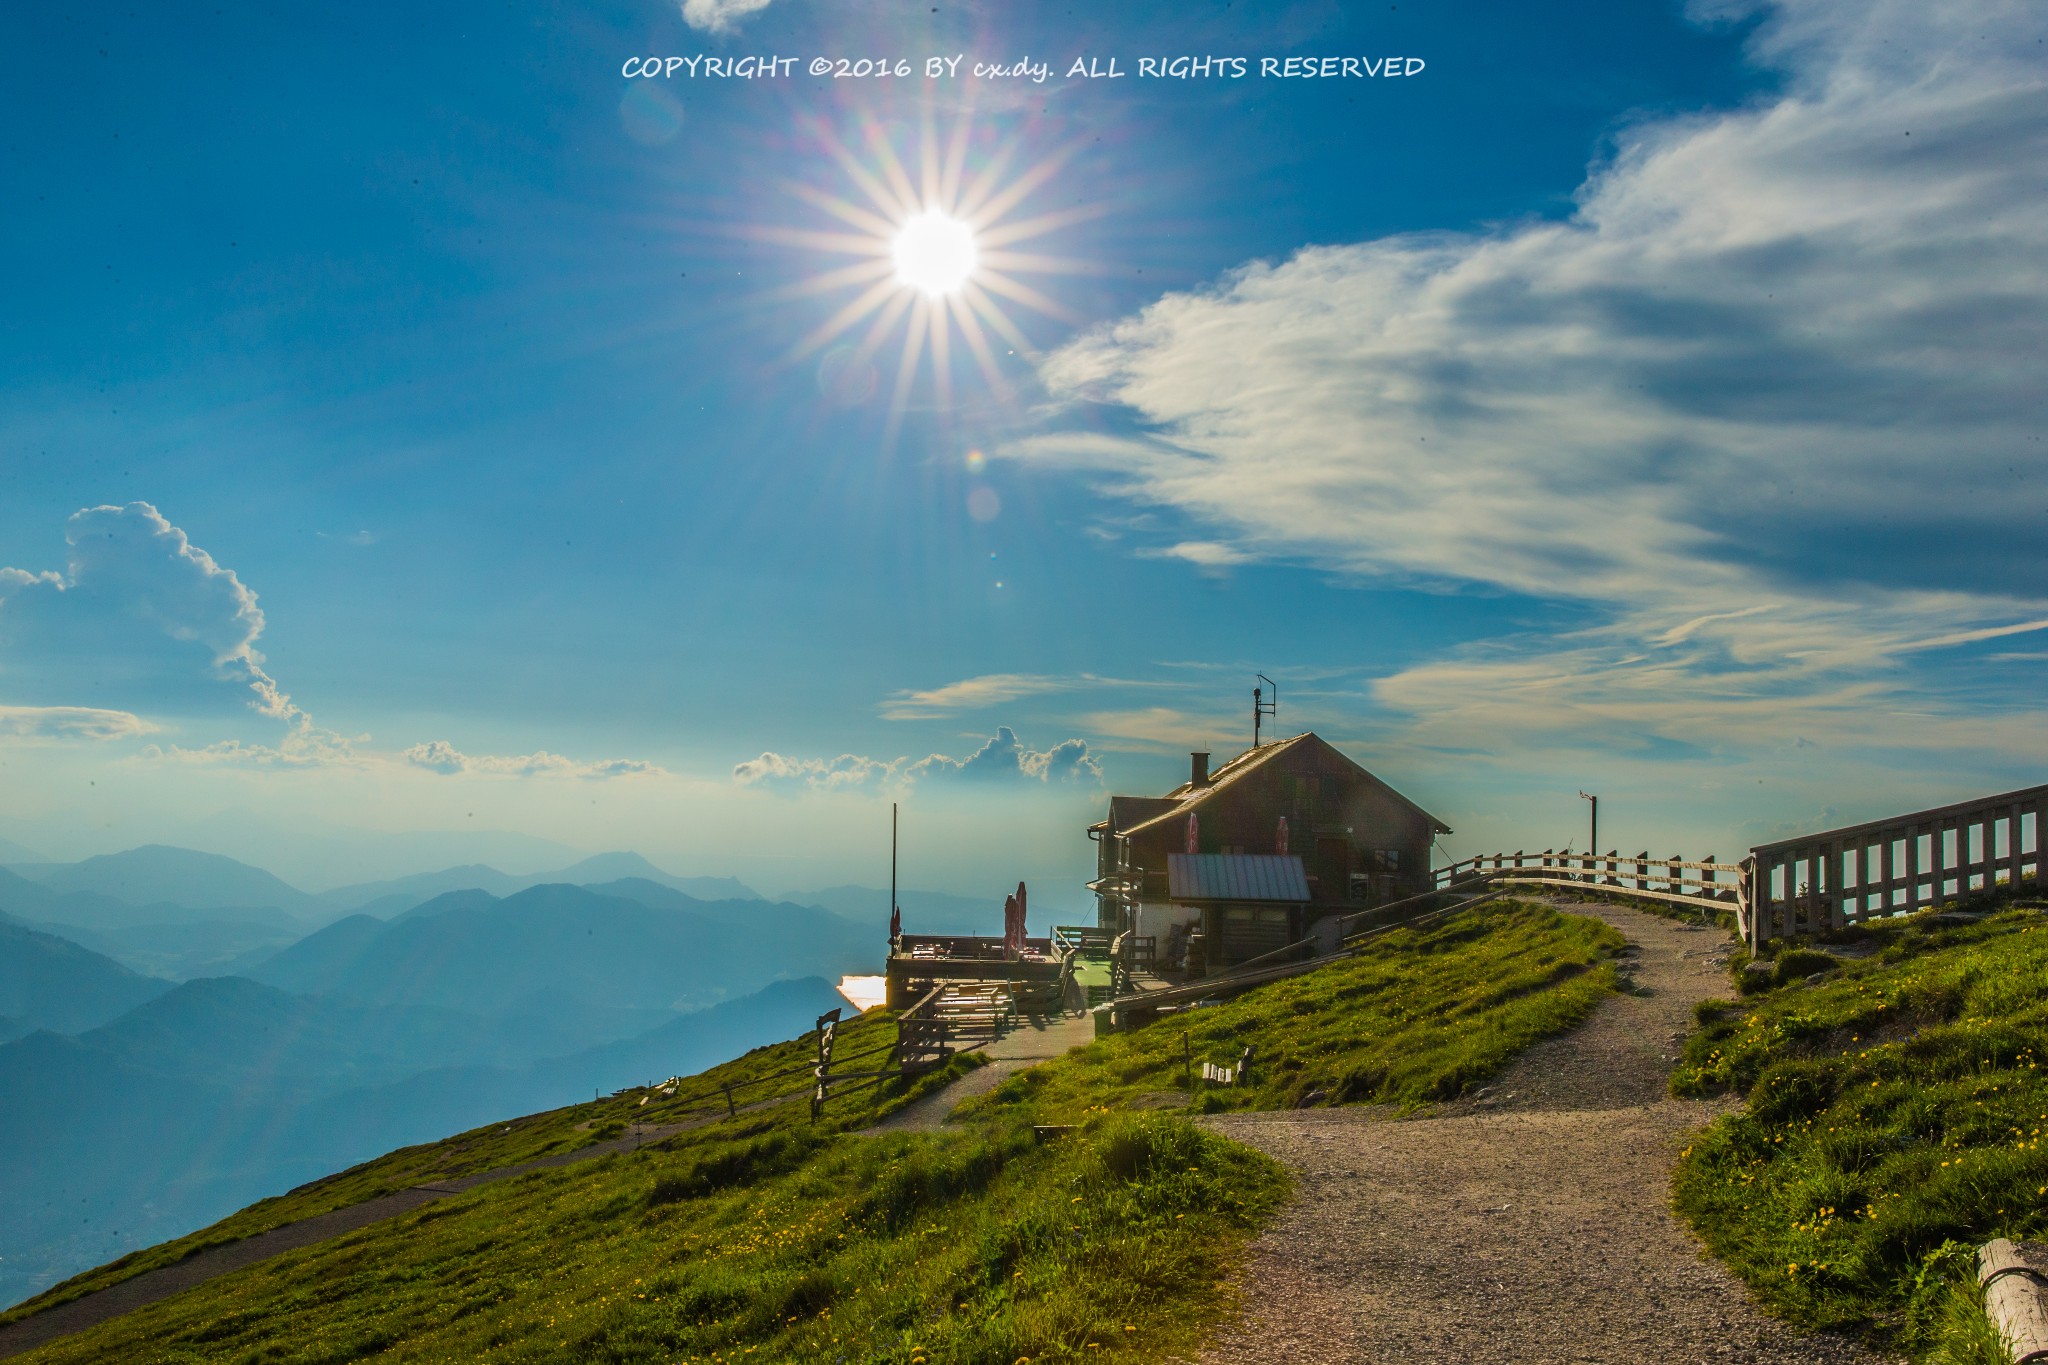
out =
column 1703, row 883
column 1889, row 867
column 1815, row 882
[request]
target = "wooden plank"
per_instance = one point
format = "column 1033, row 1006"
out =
column 2015, row 1299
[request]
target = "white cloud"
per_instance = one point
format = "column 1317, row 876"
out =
column 1768, row 399
column 994, row 689
column 71, row 722
column 142, row 611
column 719, row 16
column 990, row 689
column 442, row 757
column 1001, row 760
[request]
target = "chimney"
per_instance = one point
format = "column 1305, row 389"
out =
column 1198, row 768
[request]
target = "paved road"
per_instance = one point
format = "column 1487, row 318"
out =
column 1531, row 1224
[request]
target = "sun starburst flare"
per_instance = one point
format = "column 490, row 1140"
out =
column 937, row 256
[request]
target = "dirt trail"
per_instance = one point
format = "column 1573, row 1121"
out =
column 1529, row 1223
column 1027, row 1044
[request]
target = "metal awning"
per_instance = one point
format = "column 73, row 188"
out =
column 1236, row 877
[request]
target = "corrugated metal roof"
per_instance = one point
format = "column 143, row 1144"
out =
column 1236, row 877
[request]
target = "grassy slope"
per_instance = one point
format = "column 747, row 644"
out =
column 771, row 1238
column 1371, row 1029
column 1895, row 1116
column 509, row 1143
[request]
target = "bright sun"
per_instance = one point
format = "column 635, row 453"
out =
column 934, row 253
column 940, row 258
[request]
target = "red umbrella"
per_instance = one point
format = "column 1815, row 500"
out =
column 1280, row 839
column 1194, row 834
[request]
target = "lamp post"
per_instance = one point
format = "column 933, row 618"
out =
column 1593, row 839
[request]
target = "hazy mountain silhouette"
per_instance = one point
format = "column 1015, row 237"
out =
column 386, row 899
column 159, row 939
column 158, row 873
column 48, row 982
column 11, row 852
column 924, row 912
column 597, row 952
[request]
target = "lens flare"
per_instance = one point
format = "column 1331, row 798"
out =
column 934, row 253
column 938, row 246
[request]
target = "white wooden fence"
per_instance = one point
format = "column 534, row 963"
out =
column 1889, row 867
column 1814, row 882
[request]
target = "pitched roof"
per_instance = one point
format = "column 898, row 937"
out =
column 1189, row 797
column 1236, row 877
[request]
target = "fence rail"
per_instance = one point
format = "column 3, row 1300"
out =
column 1814, row 882
column 1679, row 880
column 1889, row 867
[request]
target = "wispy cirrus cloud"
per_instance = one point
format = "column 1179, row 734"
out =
column 1766, row 399
column 995, row 689
column 71, row 722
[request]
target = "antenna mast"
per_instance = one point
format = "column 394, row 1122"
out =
column 1262, row 707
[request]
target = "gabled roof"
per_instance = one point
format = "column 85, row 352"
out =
column 1236, row 877
column 1189, row 797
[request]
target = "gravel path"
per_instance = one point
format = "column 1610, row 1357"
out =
column 1528, row 1224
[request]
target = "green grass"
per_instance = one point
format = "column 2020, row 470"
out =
column 511, row 1142
column 772, row 1238
column 1896, row 1109
column 1422, row 1015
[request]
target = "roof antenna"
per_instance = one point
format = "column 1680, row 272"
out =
column 1262, row 707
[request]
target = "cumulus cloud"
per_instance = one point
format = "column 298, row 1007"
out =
column 142, row 613
column 442, row 757
column 71, row 722
column 1767, row 399
column 719, row 16
column 1002, row 760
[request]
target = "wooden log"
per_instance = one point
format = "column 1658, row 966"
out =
column 2015, row 1298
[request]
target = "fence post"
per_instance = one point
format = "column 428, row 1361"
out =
column 1643, row 870
column 1674, row 885
column 730, row 1111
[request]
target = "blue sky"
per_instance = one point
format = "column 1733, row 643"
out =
column 1637, row 398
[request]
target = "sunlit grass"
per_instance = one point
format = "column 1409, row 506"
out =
column 770, row 1237
column 1423, row 1015
column 1895, row 1116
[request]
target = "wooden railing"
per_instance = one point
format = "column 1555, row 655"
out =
column 1079, row 938
column 1838, row 877
column 923, row 1035
column 1677, row 879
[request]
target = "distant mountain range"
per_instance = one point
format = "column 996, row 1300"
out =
column 388, row 898
column 158, row 874
column 924, row 912
column 630, row 945
column 307, row 1035
column 47, row 982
